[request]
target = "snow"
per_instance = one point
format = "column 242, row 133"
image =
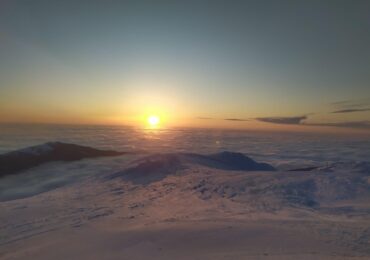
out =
column 196, row 213
column 185, row 206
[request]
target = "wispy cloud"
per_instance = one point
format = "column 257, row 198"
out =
column 300, row 120
column 294, row 120
column 352, row 104
column 205, row 118
column 350, row 124
column 345, row 103
column 351, row 110
column 236, row 119
column 226, row 119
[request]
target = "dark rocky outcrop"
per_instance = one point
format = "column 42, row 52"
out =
column 17, row 161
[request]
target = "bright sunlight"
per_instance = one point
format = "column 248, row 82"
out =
column 153, row 120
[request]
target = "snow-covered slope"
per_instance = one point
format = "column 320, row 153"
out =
column 193, row 206
column 158, row 166
column 195, row 212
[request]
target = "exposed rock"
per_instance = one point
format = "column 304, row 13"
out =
column 23, row 159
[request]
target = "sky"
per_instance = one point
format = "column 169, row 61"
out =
column 234, row 64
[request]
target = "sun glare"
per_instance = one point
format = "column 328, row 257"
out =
column 153, row 120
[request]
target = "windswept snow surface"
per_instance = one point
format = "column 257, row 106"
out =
column 179, row 196
column 192, row 211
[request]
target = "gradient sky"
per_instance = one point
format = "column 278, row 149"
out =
column 195, row 63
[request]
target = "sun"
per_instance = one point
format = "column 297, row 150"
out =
column 153, row 120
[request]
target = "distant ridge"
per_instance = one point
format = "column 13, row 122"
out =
column 23, row 159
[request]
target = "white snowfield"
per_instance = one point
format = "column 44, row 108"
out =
column 176, row 206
